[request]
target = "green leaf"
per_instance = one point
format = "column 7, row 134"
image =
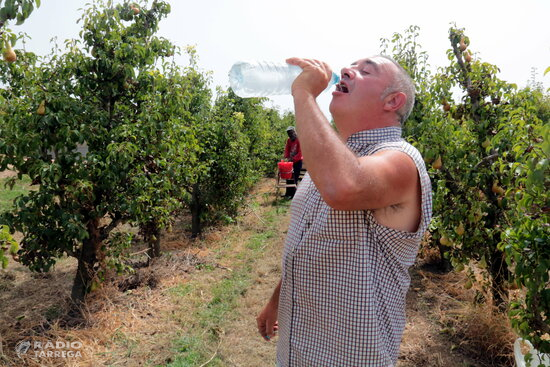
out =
column 14, row 248
column 11, row 9
column 28, row 7
column 547, row 70
column 3, row 14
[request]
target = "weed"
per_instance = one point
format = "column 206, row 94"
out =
column 204, row 266
column 259, row 241
column 181, row 290
column 191, row 350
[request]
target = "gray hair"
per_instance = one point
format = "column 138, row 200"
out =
column 402, row 82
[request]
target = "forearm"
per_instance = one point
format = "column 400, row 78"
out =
column 329, row 161
column 274, row 300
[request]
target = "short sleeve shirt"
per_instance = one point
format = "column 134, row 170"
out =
column 345, row 277
column 292, row 149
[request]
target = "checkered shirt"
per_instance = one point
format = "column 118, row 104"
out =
column 345, row 277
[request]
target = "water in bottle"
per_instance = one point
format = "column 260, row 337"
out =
column 264, row 78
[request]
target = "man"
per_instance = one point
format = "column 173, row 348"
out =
column 293, row 154
column 356, row 221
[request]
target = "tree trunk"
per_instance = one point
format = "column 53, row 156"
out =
column 153, row 239
column 444, row 264
column 195, row 212
column 87, row 260
column 500, row 275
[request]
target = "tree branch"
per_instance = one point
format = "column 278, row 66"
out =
column 466, row 81
column 105, row 230
column 487, row 159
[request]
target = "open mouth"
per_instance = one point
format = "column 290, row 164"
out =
column 341, row 87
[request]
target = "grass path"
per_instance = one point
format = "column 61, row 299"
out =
column 226, row 333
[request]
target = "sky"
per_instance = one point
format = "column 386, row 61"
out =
column 513, row 35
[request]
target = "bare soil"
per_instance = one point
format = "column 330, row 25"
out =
column 7, row 173
column 140, row 319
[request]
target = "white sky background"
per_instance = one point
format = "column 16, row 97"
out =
column 514, row 35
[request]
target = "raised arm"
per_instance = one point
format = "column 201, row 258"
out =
column 345, row 181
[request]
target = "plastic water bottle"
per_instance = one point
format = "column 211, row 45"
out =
column 264, row 78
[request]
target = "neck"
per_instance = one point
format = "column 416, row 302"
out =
column 347, row 126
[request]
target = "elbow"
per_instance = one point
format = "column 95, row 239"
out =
column 353, row 197
column 341, row 197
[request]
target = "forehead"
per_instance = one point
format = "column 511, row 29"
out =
column 378, row 64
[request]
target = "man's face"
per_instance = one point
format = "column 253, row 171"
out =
column 361, row 87
column 291, row 134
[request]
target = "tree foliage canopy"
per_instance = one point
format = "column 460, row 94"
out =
column 487, row 143
column 155, row 144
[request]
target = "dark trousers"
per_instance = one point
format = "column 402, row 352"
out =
column 296, row 167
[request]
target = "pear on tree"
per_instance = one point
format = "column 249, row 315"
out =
column 9, row 53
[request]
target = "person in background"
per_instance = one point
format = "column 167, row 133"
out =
column 356, row 223
column 293, row 153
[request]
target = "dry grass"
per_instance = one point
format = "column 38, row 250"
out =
column 117, row 326
column 29, row 302
column 447, row 326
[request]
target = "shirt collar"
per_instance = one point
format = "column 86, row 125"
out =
column 374, row 136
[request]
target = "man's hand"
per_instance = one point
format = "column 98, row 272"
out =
column 314, row 78
column 267, row 321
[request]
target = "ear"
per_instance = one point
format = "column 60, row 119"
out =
column 394, row 101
